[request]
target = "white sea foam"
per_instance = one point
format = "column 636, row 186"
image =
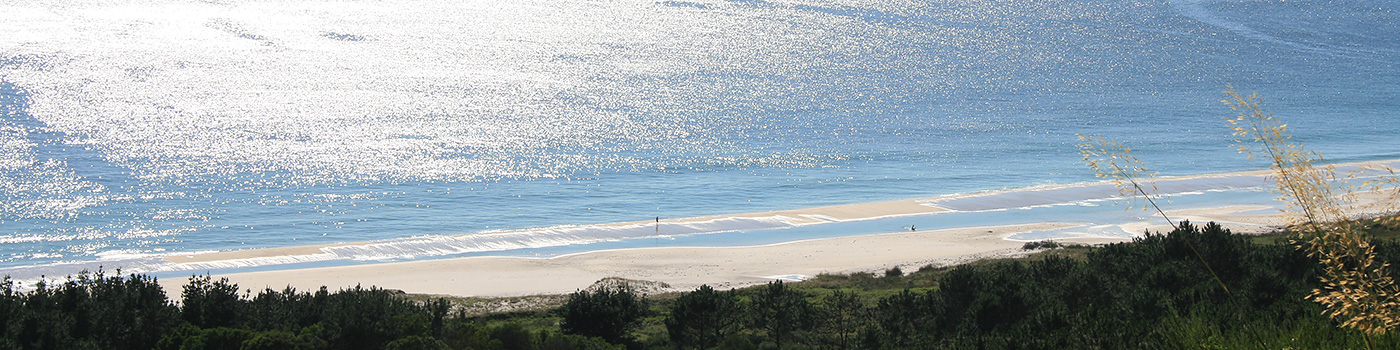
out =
column 825, row 218
column 546, row 237
column 244, row 262
column 1091, row 193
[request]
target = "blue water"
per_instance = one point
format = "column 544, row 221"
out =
column 142, row 129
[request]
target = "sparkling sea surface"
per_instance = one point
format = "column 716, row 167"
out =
column 138, row 129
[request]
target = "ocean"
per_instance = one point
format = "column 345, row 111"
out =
column 136, row 130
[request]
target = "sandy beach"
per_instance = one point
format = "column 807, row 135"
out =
column 680, row 267
column 684, row 268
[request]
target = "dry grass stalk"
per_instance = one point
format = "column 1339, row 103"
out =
column 1356, row 289
column 1110, row 159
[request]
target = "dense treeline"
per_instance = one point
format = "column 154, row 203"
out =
column 1154, row 292
column 1121, row 296
column 132, row 312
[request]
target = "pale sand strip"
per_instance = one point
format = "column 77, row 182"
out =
column 681, row 267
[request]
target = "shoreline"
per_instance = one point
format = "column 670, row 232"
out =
column 982, row 232
column 792, row 217
column 682, row 268
column 685, row 268
column 797, row 217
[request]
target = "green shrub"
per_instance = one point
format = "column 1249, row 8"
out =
column 703, row 318
column 610, row 312
column 1045, row 244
